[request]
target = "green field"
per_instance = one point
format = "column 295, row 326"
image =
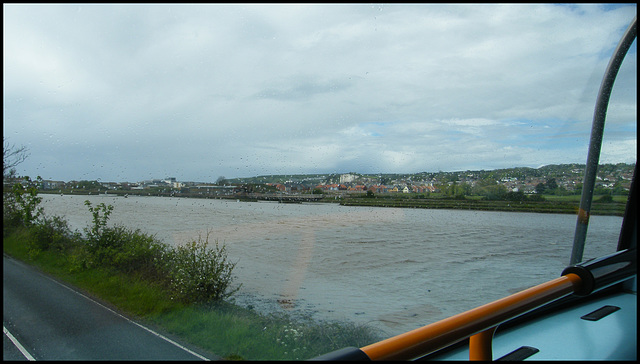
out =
column 552, row 204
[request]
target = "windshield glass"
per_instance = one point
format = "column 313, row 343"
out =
column 383, row 165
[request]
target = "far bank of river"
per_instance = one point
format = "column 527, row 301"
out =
column 613, row 208
column 552, row 207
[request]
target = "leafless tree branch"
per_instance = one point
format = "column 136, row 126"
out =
column 11, row 157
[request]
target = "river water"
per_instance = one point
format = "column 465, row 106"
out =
column 391, row 268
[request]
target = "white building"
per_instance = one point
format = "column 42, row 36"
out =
column 347, row 178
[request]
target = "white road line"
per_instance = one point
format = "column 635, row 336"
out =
column 126, row 318
column 133, row 322
column 18, row 345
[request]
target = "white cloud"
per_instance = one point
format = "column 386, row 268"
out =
column 262, row 89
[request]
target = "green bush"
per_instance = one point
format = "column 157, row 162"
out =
column 193, row 272
column 127, row 250
column 20, row 206
column 199, row 274
column 53, row 233
column 99, row 221
column 122, row 248
column 141, row 252
column 605, row 199
column 535, row 197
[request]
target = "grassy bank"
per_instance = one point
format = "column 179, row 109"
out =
column 561, row 205
column 130, row 293
column 219, row 327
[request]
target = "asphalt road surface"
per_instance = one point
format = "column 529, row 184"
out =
column 44, row 319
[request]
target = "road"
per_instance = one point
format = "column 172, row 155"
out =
column 44, row 319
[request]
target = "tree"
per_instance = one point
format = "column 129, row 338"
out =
column 19, row 203
column 221, row 181
column 495, row 192
column 540, row 188
column 552, row 184
column 11, row 157
column 458, row 190
column 515, row 196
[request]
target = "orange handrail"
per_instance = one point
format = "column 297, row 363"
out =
column 480, row 347
column 427, row 339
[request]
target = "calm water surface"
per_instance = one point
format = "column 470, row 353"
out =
column 395, row 269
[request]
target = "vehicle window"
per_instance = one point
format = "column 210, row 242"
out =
column 383, row 165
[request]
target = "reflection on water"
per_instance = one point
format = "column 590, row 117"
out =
column 396, row 269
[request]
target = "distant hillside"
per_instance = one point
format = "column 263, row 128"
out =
column 548, row 171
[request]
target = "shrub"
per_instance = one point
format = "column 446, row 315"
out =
column 140, row 252
column 199, row 274
column 514, row 196
column 99, row 221
column 127, row 250
column 605, row 199
column 20, row 206
column 122, row 248
column 53, row 233
column 536, row 197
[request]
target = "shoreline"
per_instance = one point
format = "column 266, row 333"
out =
column 551, row 207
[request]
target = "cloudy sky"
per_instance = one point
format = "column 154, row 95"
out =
column 135, row 92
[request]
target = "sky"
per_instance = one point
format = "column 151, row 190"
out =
column 124, row 92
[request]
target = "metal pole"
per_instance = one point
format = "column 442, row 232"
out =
column 595, row 143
